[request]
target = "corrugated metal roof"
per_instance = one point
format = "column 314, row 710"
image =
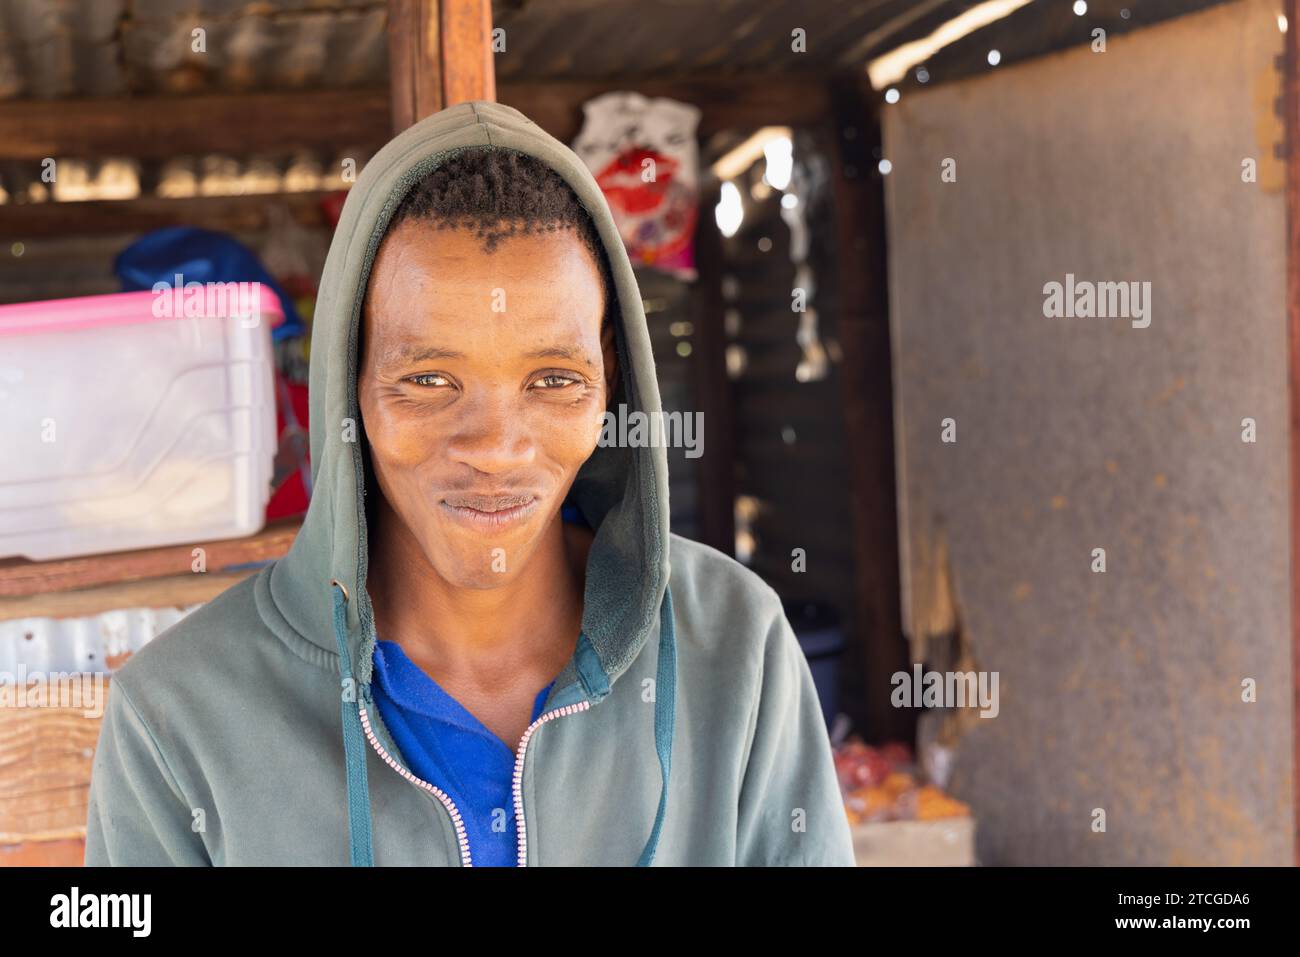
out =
column 63, row 48
column 77, row 48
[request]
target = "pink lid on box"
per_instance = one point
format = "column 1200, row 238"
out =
column 122, row 308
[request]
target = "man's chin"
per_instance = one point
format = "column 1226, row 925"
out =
column 482, row 564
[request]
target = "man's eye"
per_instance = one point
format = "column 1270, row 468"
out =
column 555, row 381
column 428, row 379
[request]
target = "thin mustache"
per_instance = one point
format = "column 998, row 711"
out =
column 488, row 503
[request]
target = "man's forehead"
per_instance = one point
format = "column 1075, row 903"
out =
column 458, row 248
column 404, row 348
column 432, row 296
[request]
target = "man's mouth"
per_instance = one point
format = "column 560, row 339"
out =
column 490, row 511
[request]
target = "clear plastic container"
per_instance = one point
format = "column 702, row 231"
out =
column 122, row 426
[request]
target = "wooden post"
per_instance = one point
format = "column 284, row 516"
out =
column 440, row 54
column 880, row 649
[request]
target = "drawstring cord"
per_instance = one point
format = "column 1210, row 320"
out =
column 354, row 741
column 665, row 717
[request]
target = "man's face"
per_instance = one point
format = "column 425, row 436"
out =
column 483, row 380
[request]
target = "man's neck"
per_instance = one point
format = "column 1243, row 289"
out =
column 523, row 631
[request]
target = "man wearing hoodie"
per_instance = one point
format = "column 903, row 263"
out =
column 484, row 602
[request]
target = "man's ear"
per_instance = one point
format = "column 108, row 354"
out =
column 609, row 352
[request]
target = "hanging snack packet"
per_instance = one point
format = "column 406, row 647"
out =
column 644, row 155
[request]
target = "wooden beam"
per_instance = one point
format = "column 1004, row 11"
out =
column 439, row 54
column 22, row 578
column 172, row 591
column 164, row 127
column 863, row 328
column 152, row 128
column 414, row 61
column 469, row 72
column 231, row 214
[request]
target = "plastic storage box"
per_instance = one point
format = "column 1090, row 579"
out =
column 127, row 423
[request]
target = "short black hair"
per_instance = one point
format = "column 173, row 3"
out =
column 499, row 193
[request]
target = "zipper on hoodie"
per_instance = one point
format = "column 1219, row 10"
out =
column 462, row 836
column 458, row 822
column 517, row 783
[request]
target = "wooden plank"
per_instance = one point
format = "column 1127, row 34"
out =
column 164, row 127
column 69, row 852
column 159, row 128
column 414, row 61
column 863, row 329
column 20, row 577
column 47, row 752
column 945, row 842
column 439, row 54
column 1291, row 111
column 232, row 214
column 172, row 591
column 470, row 73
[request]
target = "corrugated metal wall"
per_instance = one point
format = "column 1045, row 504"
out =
column 1122, row 691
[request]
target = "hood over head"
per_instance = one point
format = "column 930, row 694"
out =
column 318, row 589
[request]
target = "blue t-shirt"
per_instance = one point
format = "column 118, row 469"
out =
column 444, row 744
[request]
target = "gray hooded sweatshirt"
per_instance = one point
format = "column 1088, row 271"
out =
column 685, row 729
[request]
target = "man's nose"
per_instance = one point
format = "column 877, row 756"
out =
column 492, row 437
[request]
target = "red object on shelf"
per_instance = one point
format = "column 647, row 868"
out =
column 292, row 482
column 332, row 206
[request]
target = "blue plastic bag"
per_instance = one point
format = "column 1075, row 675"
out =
column 199, row 255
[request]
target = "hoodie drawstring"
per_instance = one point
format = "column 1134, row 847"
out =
column 354, row 738
column 354, row 743
column 665, row 716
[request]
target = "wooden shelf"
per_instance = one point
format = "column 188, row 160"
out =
column 173, row 591
column 232, row 214
column 23, row 579
column 161, row 127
